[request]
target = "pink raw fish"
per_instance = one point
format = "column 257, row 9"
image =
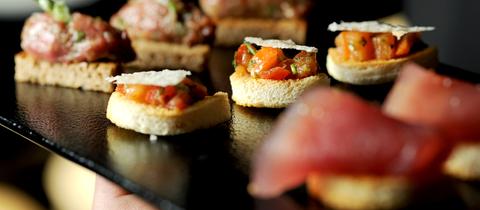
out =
column 424, row 97
column 330, row 132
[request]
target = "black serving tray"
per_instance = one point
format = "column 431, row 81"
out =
column 206, row 169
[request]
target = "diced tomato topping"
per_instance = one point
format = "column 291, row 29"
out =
column 265, row 59
column 287, row 64
column 154, row 96
column 180, row 101
column 384, row 44
column 277, row 73
column 242, row 56
column 170, row 91
column 405, row 44
column 305, row 64
column 120, row 88
column 271, row 63
column 135, row 92
column 199, row 91
column 342, row 46
column 171, row 97
column 363, row 46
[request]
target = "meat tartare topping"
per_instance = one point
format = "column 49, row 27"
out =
column 164, row 20
column 58, row 36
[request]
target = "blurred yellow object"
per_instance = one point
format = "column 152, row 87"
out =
column 13, row 199
column 68, row 186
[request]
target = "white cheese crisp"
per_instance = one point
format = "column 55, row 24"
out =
column 157, row 78
column 282, row 44
column 377, row 27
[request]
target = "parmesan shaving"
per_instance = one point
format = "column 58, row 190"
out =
column 157, row 78
column 377, row 27
column 282, row 44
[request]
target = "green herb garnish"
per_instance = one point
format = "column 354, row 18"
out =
column 58, row 9
column 78, row 36
column 45, row 5
column 251, row 49
column 171, row 6
column 294, row 68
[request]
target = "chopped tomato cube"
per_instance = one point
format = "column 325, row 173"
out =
column 180, row 101
column 405, row 44
column 384, row 44
column 277, row 73
column 287, row 63
column 135, row 92
column 120, row 88
column 154, row 96
column 265, row 59
column 355, row 46
column 242, row 55
column 305, row 64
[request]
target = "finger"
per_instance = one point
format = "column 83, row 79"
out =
column 111, row 196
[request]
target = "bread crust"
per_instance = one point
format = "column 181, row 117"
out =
column 360, row 192
column 149, row 119
column 232, row 31
column 464, row 162
column 376, row 71
column 253, row 92
column 160, row 55
column 83, row 75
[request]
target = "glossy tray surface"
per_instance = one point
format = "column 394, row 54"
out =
column 206, row 169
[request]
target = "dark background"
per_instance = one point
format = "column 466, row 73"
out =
column 21, row 162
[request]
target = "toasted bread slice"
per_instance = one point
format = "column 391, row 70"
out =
column 253, row 92
column 160, row 55
column 84, row 75
column 160, row 121
column 232, row 31
column 464, row 162
column 360, row 192
column 375, row 71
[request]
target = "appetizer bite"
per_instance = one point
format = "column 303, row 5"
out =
column 372, row 53
column 266, row 77
column 424, row 97
column 350, row 155
column 272, row 19
column 166, row 33
column 164, row 103
column 70, row 50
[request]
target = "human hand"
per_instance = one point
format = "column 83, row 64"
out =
column 109, row 196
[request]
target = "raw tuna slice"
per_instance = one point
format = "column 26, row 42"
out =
column 424, row 97
column 333, row 132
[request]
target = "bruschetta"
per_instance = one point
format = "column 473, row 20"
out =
column 70, row 50
column 164, row 103
column 371, row 52
column 269, row 19
column 266, row 77
column 166, row 34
